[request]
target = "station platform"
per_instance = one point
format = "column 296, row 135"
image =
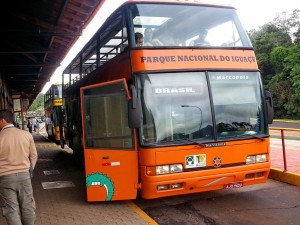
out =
column 60, row 194
column 59, row 191
column 285, row 165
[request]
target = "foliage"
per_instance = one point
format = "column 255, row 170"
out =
column 277, row 57
column 38, row 103
column 277, row 47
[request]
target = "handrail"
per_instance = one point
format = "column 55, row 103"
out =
column 282, row 141
column 286, row 129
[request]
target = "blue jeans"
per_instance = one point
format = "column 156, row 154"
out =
column 16, row 199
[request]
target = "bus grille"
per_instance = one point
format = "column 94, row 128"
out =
column 211, row 167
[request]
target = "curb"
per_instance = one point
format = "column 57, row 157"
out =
column 286, row 177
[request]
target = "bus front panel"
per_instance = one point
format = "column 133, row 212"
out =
column 202, row 131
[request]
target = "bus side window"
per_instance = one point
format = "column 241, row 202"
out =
column 124, row 42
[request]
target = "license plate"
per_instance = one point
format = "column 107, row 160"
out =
column 233, row 185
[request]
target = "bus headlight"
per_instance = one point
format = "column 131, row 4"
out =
column 176, row 168
column 256, row 159
column 261, row 158
column 164, row 169
column 250, row 159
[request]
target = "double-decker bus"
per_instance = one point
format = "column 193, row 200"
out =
column 168, row 117
column 53, row 106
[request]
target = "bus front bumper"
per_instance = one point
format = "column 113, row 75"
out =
column 201, row 181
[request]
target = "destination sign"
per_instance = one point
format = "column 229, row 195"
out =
column 57, row 102
column 188, row 59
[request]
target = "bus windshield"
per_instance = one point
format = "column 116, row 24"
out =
column 57, row 91
column 188, row 25
column 176, row 106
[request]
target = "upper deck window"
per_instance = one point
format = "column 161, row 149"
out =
column 188, row 25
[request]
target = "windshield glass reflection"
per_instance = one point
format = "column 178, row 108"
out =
column 176, row 106
column 177, row 109
column 238, row 105
column 187, row 25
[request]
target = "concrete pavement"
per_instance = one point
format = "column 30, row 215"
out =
column 61, row 198
column 60, row 194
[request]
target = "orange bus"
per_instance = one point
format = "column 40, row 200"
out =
column 53, row 106
column 181, row 113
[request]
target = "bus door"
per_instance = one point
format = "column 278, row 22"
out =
column 111, row 161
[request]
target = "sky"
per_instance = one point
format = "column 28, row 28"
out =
column 253, row 14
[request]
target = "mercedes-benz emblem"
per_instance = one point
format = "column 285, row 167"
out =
column 217, row 162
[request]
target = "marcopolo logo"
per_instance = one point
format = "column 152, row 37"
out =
column 230, row 77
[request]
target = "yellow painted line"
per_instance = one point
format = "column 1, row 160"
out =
column 141, row 213
column 44, row 144
column 286, row 177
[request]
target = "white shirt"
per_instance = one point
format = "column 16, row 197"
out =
column 7, row 126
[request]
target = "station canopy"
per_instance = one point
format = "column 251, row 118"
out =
column 36, row 36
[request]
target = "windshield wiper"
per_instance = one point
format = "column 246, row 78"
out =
column 193, row 141
column 251, row 135
column 185, row 141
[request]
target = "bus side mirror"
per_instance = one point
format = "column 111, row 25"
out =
column 134, row 109
column 270, row 109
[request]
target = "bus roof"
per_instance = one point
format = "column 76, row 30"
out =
column 195, row 2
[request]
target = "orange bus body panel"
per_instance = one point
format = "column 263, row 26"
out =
column 117, row 169
column 207, row 180
column 111, row 174
column 208, row 177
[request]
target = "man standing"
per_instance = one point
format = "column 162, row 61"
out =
column 200, row 41
column 29, row 125
column 17, row 155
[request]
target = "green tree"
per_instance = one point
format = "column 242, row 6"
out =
column 277, row 58
column 279, row 86
column 38, row 103
column 277, row 47
column 264, row 41
column 289, row 24
column 292, row 68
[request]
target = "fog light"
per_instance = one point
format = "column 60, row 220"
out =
column 259, row 174
column 174, row 186
column 249, row 175
column 162, row 187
